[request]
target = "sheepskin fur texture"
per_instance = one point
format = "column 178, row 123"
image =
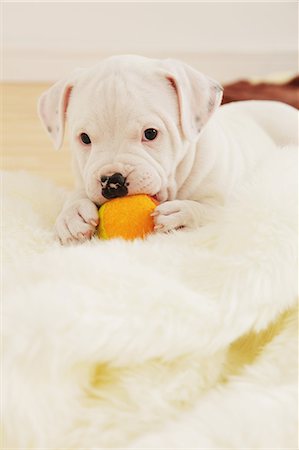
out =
column 181, row 341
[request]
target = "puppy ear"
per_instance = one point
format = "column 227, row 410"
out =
column 198, row 96
column 52, row 107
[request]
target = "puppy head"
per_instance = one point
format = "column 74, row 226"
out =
column 130, row 121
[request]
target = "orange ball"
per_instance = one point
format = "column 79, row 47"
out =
column 127, row 217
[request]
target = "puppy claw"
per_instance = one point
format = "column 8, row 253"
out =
column 88, row 234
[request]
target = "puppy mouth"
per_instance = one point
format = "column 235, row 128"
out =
column 160, row 196
column 122, row 184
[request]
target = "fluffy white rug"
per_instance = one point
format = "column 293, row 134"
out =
column 185, row 341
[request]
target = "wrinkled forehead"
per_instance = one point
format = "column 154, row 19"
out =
column 121, row 94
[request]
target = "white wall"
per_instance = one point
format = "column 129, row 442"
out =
column 43, row 41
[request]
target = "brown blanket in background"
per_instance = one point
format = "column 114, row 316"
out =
column 244, row 90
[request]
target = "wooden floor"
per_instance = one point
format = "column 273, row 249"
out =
column 24, row 143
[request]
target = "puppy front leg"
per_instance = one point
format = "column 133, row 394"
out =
column 176, row 214
column 78, row 219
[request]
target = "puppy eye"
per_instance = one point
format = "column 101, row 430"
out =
column 85, row 139
column 150, row 134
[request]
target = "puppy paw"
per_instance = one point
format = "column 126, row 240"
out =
column 77, row 223
column 171, row 215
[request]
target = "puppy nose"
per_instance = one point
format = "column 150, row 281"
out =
column 114, row 186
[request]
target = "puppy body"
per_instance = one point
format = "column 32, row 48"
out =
column 201, row 151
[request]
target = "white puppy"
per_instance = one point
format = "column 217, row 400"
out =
column 139, row 125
